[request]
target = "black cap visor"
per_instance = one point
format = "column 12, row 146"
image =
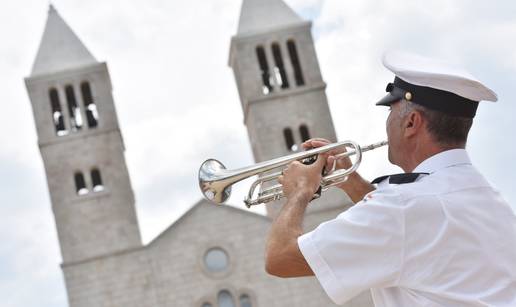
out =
column 395, row 94
column 434, row 99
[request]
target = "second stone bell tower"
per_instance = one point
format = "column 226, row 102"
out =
column 280, row 84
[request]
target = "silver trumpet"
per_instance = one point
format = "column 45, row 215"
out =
column 216, row 181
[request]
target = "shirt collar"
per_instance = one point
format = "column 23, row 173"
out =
column 442, row 160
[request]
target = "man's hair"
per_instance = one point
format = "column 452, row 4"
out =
column 447, row 130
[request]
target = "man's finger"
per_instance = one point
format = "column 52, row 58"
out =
column 329, row 165
column 314, row 143
column 306, row 145
column 319, row 139
column 319, row 143
column 321, row 161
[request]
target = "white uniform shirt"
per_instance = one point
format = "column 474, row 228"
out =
column 448, row 239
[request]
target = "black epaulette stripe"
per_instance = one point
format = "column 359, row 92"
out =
column 399, row 178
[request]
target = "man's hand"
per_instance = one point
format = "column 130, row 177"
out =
column 355, row 186
column 342, row 163
column 299, row 180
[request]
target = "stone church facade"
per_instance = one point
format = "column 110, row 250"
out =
column 200, row 260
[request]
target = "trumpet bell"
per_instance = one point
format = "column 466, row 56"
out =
column 213, row 189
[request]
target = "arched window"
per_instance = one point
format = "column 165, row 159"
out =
column 80, row 184
column 96, row 180
column 225, row 299
column 73, row 109
column 245, row 301
column 289, row 139
column 303, row 130
column 264, row 68
column 294, row 59
column 92, row 115
column 57, row 114
column 279, row 70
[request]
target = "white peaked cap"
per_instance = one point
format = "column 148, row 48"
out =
column 434, row 84
column 423, row 71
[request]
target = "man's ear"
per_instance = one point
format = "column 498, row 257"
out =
column 413, row 123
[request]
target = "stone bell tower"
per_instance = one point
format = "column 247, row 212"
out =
column 281, row 88
column 81, row 146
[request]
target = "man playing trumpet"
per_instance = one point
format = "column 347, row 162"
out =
column 436, row 235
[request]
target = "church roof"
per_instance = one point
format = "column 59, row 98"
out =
column 229, row 212
column 262, row 15
column 60, row 48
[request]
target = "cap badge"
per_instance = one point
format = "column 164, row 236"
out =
column 408, row 95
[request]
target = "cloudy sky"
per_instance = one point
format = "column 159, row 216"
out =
column 178, row 105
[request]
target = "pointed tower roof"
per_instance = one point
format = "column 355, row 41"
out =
column 262, row 15
column 60, row 48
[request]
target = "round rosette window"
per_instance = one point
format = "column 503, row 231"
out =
column 216, row 260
